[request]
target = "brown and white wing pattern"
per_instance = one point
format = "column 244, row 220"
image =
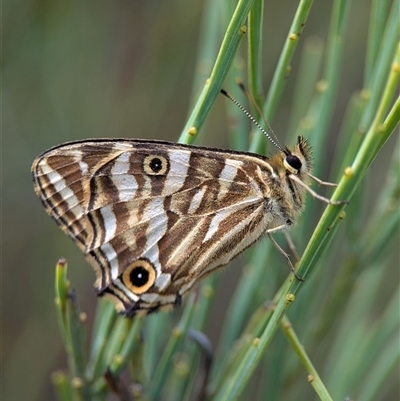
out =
column 154, row 217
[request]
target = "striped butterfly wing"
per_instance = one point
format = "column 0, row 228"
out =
column 153, row 217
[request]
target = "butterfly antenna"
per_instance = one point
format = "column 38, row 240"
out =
column 257, row 107
column 252, row 119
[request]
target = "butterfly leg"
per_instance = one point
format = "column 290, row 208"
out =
column 285, row 255
column 314, row 194
column 117, row 386
column 291, row 245
column 320, row 182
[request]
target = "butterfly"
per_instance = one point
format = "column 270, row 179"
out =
column 155, row 217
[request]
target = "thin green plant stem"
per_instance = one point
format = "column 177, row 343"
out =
column 383, row 339
column 387, row 325
column 73, row 330
column 392, row 118
column 357, row 305
column 119, row 360
column 281, row 72
column 122, row 343
column 258, row 326
column 235, row 383
column 381, row 128
column 153, row 326
column 72, row 324
column 350, row 138
column 104, row 322
column 378, row 338
column 359, row 337
column 310, row 64
column 238, row 350
column 77, row 358
column 207, row 47
column 329, row 83
column 255, row 281
column 385, row 365
column 204, row 302
column 62, row 287
column 314, row 379
column 254, row 57
column 237, row 122
column 318, row 292
column 115, row 341
column 378, row 16
column 242, row 300
column 61, row 385
column 77, row 393
column 198, row 365
column 386, row 231
column 382, row 65
column 178, row 334
column 229, row 46
column 183, row 376
column 129, row 344
column 183, row 382
column 386, row 216
column 201, row 311
column 389, row 195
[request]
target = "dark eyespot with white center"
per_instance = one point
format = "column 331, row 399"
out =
column 155, row 165
column 292, row 163
column 139, row 276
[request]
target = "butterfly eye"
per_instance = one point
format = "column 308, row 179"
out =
column 155, row 165
column 292, row 163
column 139, row 276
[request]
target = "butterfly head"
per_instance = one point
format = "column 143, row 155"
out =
column 292, row 167
column 298, row 159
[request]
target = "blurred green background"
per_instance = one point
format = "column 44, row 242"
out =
column 86, row 69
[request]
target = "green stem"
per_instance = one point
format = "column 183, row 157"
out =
column 230, row 44
column 314, row 378
column 282, row 71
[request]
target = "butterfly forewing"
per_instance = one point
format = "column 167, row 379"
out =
column 153, row 217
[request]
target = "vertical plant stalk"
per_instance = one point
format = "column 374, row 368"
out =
column 282, row 70
column 375, row 84
column 233, row 36
column 179, row 333
column 72, row 328
column 254, row 57
column 378, row 17
column 314, row 379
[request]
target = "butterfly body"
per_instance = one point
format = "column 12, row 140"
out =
column 154, row 217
